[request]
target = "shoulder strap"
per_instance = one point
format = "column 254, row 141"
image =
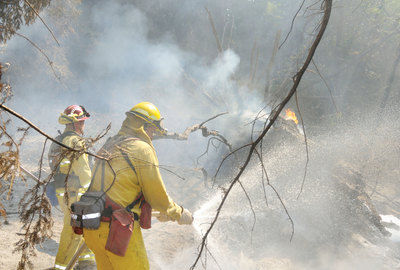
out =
column 62, row 136
column 125, row 155
column 94, row 173
column 103, row 166
column 140, row 197
column 55, row 151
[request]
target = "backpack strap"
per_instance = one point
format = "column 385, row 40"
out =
column 103, row 167
column 55, row 150
column 94, row 173
column 125, row 155
column 140, row 197
column 62, row 136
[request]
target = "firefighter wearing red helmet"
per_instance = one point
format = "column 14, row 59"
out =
column 77, row 171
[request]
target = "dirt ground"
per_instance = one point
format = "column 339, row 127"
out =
column 163, row 241
column 45, row 253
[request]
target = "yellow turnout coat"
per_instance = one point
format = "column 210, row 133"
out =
column 133, row 141
column 79, row 170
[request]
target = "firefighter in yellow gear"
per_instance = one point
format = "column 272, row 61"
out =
column 143, row 121
column 77, row 171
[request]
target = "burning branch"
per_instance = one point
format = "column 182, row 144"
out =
column 290, row 115
column 327, row 4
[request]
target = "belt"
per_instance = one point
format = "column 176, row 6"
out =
column 110, row 207
column 108, row 218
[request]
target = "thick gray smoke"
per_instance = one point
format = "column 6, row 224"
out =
column 110, row 64
column 115, row 54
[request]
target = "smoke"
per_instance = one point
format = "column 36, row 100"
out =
column 334, row 225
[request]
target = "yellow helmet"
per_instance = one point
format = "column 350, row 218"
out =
column 73, row 114
column 150, row 114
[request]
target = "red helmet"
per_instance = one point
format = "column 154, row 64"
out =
column 72, row 114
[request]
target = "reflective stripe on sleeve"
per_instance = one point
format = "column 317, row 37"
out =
column 59, row 266
column 86, row 186
column 87, row 216
column 62, row 194
column 86, row 257
column 65, row 162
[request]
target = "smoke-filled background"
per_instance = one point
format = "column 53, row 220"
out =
column 114, row 54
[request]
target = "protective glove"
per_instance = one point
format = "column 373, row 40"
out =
column 186, row 217
column 161, row 217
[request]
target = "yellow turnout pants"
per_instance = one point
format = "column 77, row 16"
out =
column 69, row 241
column 135, row 257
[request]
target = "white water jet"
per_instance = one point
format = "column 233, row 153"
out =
column 204, row 215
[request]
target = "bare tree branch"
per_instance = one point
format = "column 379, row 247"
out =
column 231, row 32
column 214, row 30
column 42, row 52
column 37, row 14
column 296, row 81
column 227, row 156
column 271, row 64
column 277, row 195
column 253, row 63
column 327, row 86
column 389, row 83
column 205, row 132
column 306, row 144
column 41, row 159
column 292, row 24
column 251, row 206
column 210, row 141
column 214, row 259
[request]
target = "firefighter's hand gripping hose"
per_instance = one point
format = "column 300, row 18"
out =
column 186, row 217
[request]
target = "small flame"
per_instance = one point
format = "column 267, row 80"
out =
column 290, row 115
